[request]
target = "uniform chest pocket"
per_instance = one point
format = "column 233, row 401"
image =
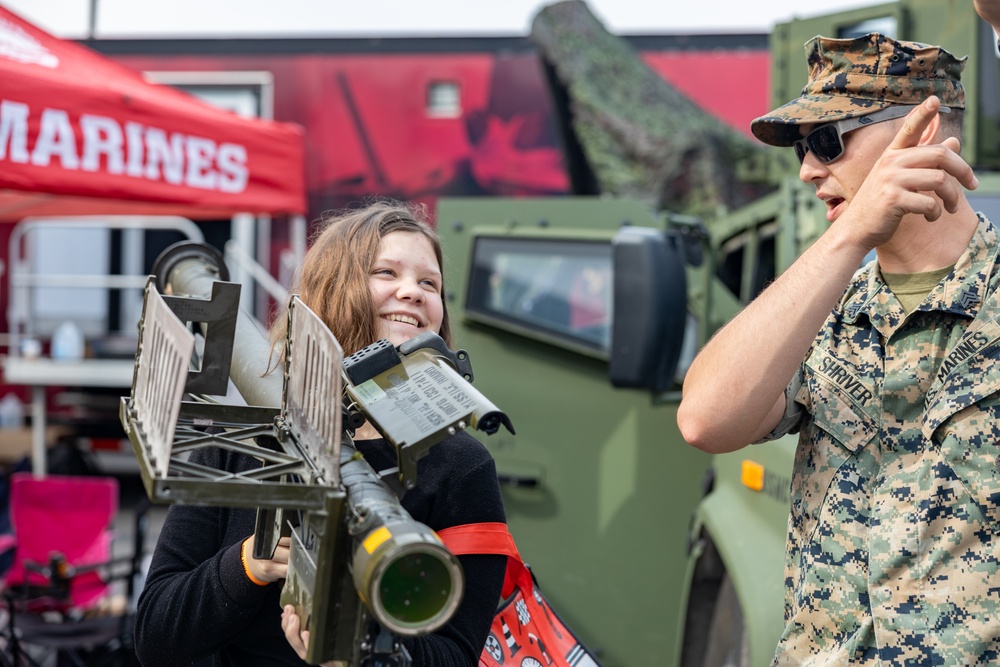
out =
column 970, row 445
column 838, row 429
column 837, row 398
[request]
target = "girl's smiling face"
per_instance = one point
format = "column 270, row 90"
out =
column 405, row 282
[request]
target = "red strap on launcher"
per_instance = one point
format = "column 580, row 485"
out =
column 489, row 538
column 524, row 625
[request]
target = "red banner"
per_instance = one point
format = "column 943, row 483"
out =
column 74, row 124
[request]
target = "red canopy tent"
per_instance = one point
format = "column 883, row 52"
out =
column 80, row 135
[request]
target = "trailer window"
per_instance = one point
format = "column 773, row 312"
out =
column 559, row 288
column 444, row 100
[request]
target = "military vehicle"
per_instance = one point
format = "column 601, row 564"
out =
column 580, row 323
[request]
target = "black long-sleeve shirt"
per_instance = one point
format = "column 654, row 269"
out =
column 198, row 601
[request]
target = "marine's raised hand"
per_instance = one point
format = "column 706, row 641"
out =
column 915, row 174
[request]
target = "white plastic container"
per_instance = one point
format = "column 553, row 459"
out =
column 11, row 412
column 67, row 342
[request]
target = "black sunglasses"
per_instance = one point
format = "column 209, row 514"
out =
column 827, row 140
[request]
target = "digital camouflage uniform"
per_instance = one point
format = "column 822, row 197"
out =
column 895, row 499
column 895, row 491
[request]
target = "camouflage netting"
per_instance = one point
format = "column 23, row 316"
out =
column 640, row 135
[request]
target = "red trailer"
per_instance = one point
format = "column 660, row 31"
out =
column 417, row 118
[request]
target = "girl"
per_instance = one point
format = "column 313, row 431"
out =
column 370, row 274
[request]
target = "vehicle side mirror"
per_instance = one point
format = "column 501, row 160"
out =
column 650, row 308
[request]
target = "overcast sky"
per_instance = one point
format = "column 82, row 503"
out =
column 188, row 18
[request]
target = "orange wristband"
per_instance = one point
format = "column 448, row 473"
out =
column 246, row 568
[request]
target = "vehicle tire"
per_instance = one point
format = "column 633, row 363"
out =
column 728, row 644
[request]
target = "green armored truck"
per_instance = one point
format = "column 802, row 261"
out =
column 581, row 315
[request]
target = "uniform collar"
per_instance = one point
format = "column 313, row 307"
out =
column 960, row 293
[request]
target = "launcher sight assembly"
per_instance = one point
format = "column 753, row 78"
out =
column 416, row 396
column 362, row 573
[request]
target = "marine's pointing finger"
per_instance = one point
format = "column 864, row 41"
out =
column 944, row 156
column 915, row 123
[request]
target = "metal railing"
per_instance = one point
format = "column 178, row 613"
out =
column 25, row 279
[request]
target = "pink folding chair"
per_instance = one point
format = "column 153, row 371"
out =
column 62, row 533
column 62, row 566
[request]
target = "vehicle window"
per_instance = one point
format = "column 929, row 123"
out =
column 765, row 270
column 557, row 287
column 731, row 269
column 882, row 24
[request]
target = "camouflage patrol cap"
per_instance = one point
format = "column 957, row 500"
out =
column 858, row 76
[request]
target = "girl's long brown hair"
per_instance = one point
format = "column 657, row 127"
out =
column 334, row 277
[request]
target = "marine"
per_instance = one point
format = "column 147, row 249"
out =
column 887, row 372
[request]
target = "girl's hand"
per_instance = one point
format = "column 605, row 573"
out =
column 267, row 570
column 297, row 638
